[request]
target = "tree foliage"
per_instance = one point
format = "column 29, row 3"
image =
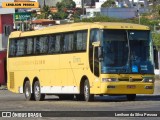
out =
column 63, row 7
column 46, row 11
column 156, row 40
column 109, row 4
column 68, row 4
column 155, row 9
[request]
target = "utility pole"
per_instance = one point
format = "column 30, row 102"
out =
column 139, row 17
column 82, row 1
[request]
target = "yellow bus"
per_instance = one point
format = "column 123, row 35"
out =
column 81, row 60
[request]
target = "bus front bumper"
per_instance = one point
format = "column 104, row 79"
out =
column 127, row 88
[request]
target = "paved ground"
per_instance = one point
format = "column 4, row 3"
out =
column 16, row 102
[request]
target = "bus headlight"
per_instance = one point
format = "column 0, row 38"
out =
column 151, row 80
column 109, row 79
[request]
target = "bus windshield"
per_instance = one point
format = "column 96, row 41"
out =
column 127, row 51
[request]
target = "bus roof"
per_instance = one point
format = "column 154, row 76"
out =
column 78, row 26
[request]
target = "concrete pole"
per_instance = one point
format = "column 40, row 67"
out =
column 159, row 62
column 22, row 26
column 82, row 2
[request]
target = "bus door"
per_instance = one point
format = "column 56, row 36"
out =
column 96, row 66
column 95, row 61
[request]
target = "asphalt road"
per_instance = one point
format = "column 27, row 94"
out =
column 16, row 102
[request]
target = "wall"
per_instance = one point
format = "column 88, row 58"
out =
column 2, row 67
column 48, row 2
column 5, row 20
column 4, row 10
column 90, row 12
column 123, row 13
column 78, row 3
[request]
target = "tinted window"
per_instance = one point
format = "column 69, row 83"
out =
column 43, row 44
column 68, row 42
column 57, row 43
column 49, row 44
column 81, row 38
column 29, row 46
column 12, row 48
column 20, row 47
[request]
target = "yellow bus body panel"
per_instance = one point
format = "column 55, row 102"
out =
column 65, row 70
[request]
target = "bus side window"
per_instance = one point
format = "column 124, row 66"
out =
column 29, row 46
column 81, row 39
column 71, row 38
column 84, row 39
column 51, row 44
column 20, row 47
column 43, row 44
column 12, row 48
column 68, row 42
column 62, row 47
column 36, row 45
column 57, row 43
column 75, row 42
column 94, row 36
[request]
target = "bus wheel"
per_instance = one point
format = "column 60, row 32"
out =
column 87, row 96
column 27, row 91
column 37, row 92
column 131, row 97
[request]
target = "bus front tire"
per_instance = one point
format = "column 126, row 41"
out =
column 131, row 97
column 87, row 96
column 27, row 91
column 37, row 92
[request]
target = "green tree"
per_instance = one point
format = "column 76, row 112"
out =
column 60, row 15
column 65, row 4
column 156, row 40
column 46, row 11
column 63, row 7
column 109, row 4
column 155, row 8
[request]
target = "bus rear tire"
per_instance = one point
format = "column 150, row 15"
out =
column 87, row 96
column 131, row 97
column 27, row 91
column 37, row 92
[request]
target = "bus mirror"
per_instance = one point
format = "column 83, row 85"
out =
column 100, row 53
column 96, row 44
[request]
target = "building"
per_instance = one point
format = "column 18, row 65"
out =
column 92, row 12
column 124, row 9
column 41, row 23
column 3, row 75
column 6, row 26
column 50, row 3
column 98, row 4
column 78, row 3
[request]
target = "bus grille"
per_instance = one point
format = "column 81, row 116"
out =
column 11, row 80
column 133, row 80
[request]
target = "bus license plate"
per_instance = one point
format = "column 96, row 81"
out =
column 131, row 86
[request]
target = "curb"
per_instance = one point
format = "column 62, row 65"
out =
column 2, row 87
